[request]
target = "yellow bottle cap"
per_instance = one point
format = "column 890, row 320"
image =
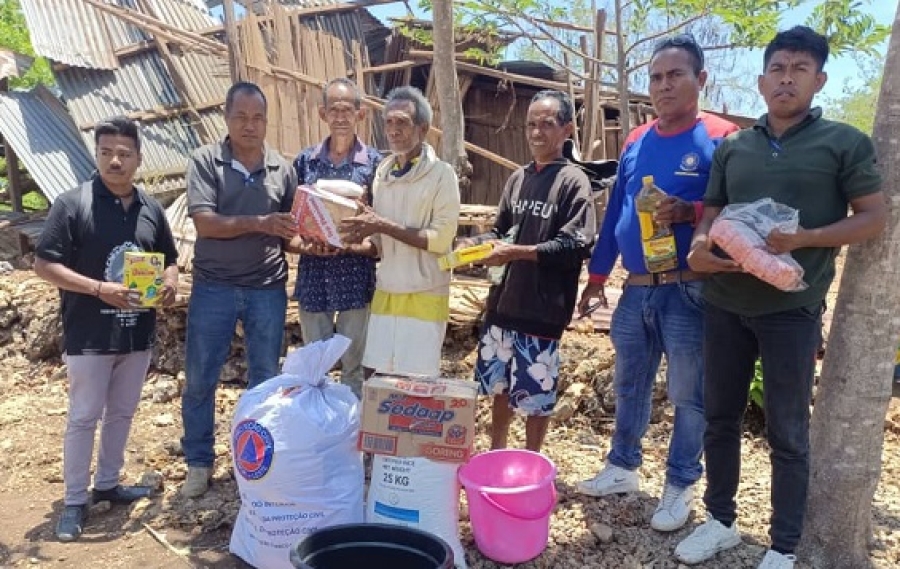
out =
column 647, row 180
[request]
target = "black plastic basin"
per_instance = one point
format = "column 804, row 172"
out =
column 372, row 546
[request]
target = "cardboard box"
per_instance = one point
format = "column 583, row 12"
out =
column 431, row 418
column 144, row 272
column 319, row 214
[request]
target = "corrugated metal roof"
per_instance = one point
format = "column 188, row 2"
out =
column 142, row 84
column 38, row 128
column 75, row 33
column 95, row 88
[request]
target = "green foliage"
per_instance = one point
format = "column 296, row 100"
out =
column 857, row 104
column 14, row 36
column 847, row 28
column 35, row 201
column 32, row 201
column 756, row 386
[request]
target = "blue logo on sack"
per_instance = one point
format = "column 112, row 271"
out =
column 253, row 449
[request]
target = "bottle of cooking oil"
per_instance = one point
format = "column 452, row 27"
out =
column 657, row 240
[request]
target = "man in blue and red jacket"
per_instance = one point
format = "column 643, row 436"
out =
column 659, row 313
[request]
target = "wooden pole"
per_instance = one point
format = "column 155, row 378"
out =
column 12, row 165
column 599, row 118
column 570, row 88
column 232, row 39
column 589, row 105
column 15, row 179
column 490, row 72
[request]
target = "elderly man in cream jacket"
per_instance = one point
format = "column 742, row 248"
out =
column 412, row 222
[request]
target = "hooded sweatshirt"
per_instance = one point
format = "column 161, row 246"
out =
column 551, row 207
column 426, row 197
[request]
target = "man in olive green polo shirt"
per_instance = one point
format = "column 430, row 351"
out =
column 819, row 167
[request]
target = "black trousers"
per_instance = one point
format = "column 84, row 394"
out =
column 787, row 343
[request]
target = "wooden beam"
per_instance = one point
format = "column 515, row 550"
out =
column 161, row 29
column 338, row 8
column 15, row 179
column 135, row 48
column 162, row 114
column 291, row 74
column 150, row 44
column 392, row 67
column 497, row 73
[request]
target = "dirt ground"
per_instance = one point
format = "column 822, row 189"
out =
column 168, row 531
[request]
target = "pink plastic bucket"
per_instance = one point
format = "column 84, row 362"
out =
column 511, row 495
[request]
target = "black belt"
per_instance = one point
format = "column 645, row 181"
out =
column 670, row 277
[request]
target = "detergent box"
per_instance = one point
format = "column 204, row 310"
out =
column 144, row 272
column 411, row 417
column 465, row 256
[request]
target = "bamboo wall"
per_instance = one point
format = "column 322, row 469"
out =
column 270, row 48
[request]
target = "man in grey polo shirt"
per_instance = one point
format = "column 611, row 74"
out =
column 239, row 197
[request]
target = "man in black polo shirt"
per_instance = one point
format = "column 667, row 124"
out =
column 239, row 194
column 819, row 167
column 107, row 336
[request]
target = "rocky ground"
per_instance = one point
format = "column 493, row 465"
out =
column 168, row 531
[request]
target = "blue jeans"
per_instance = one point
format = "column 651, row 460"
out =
column 650, row 321
column 212, row 317
column 786, row 342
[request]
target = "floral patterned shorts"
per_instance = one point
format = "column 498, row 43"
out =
column 526, row 367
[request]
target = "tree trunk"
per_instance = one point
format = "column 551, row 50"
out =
column 846, row 433
column 447, row 83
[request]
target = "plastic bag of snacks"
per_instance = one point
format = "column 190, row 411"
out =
column 740, row 231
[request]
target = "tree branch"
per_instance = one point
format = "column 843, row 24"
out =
column 665, row 32
column 511, row 18
column 491, row 8
column 634, row 68
column 544, row 52
column 706, row 49
column 509, row 112
column 721, row 47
